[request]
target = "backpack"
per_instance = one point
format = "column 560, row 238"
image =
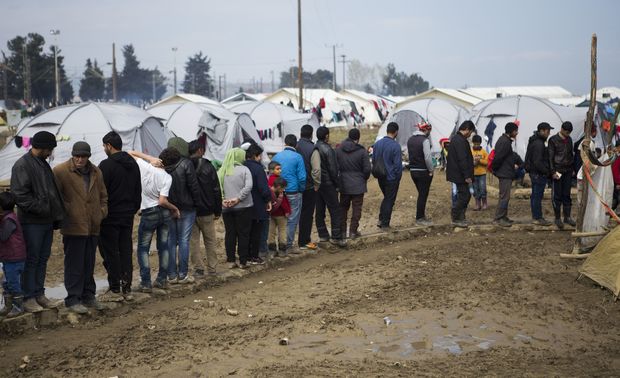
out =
column 378, row 169
column 490, row 159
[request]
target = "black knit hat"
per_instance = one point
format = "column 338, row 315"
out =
column 81, row 148
column 44, row 140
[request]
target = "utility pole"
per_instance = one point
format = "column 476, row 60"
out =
column 174, row 69
column 272, row 82
column 114, row 74
column 55, row 33
column 261, row 85
column 26, row 64
column 334, row 58
column 153, row 86
column 219, row 86
column 300, row 70
column 5, row 81
column 343, row 61
column 224, row 88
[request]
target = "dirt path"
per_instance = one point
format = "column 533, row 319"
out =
column 457, row 304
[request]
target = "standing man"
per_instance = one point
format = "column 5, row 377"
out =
column 185, row 195
column 312, row 164
column 504, row 167
column 261, row 198
column 294, row 173
column 40, row 210
column 121, row 176
column 421, row 168
column 354, row 167
column 537, row 164
column 328, row 191
column 387, row 153
column 561, row 158
column 209, row 210
column 81, row 185
column 460, row 171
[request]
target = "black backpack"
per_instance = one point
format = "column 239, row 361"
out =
column 378, row 169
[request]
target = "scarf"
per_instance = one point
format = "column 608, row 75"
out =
column 233, row 158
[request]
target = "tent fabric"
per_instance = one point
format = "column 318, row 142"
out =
column 444, row 116
column 88, row 122
column 529, row 111
column 223, row 128
column 603, row 265
column 407, row 121
column 275, row 121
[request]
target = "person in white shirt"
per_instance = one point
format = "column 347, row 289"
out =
column 155, row 214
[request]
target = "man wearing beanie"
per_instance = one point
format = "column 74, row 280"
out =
column 40, row 209
column 81, row 184
column 537, row 165
column 561, row 157
column 504, row 168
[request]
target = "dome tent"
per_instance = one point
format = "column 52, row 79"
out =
column 407, row 121
column 222, row 128
column 89, row 122
column 444, row 116
column 529, row 112
column 275, row 121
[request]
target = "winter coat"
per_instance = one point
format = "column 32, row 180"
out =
column 210, row 200
column 293, row 169
column 36, row 192
column 354, row 165
column 504, row 162
column 86, row 208
column 307, row 150
column 121, row 176
column 537, row 156
column 561, row 154
column 388, row 150
column 261, row 195
column 460, row 162
column 329, row 164
column 12, row 243
column 184, row 192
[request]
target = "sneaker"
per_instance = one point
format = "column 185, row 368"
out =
column 186, row 280
column 232, row 265
column 258, row 261
column 385, row 228
column 31, row 305
column 509, row 220
column 45, row 302
column 78, row 309
column 144, row 288
column 199, row 273
column 339, row 242
column 243, row 266
column 459, row 224
column 310, row 245
column 355, row 235
column 282, row 254
column 173, row 281
column 502, row 222
column 111, row 296
column 323, row 239
column 569, row 221
column 163, row 285
column 95, row 304
column 424, row 222
column 541, row 222
column 559, row 224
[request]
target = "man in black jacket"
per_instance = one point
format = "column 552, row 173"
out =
column 354, row 165
column 312, row 162
column 328, row 191
column 561, row 162
column 421, row 169
column 261, row 199
column 185, row 195
column 537, row 164
column 121, row 177
column 504, row 169
column 208, row 211
column 460, row 171
column 40, row 210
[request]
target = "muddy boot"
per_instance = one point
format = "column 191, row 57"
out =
column 485, row 205
column 8, row 305
column 18, row 307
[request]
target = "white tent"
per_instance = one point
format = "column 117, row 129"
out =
column 529, row 111
column 407, row 121
column 223, row 128
column 181, row 98
column 443, row 115
column 88, row 122
column 367, row 105
column 275, row 121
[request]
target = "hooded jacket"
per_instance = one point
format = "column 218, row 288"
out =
column 537, row 156
column 354, row 165
column 121, row 176
column 184, row 192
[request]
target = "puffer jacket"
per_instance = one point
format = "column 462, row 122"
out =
column 210, row 192
column 329, row 164
column 460, row 162
column 537, row 156
column 85, row 208
column 184, row 192
column 561, row 155
column 354, row 165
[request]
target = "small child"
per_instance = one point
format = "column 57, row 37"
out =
column 280, row 211
column 480, row 173
column 12, row 256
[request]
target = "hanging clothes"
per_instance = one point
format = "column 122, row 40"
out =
column 488, row 132
column 18, row 141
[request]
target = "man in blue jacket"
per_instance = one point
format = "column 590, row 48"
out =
column 388, row 151
column 294, row 172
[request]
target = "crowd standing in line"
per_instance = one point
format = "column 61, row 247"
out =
column 179, row 196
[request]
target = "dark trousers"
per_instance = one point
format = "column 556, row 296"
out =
column 257, row 228
column 327, row 198
column 115, row 247
column 561, row 195
column 389, row 190
column 308, row 204
column 79, row 268
column 38, row 239
column 237, row 237
column 538, row 191
column 351, row 200
column 504, row 198
column 422, row 181
column 462, row 201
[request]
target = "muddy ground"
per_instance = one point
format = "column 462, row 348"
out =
column 462, row 304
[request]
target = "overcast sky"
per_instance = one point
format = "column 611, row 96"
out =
column 450, row 43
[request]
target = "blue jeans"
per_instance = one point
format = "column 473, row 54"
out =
column 12, row 278
column 538, row 191
column 154, row 219
column 38, row 239
column 295, row 202
column 180, row 235
column 480, row 187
